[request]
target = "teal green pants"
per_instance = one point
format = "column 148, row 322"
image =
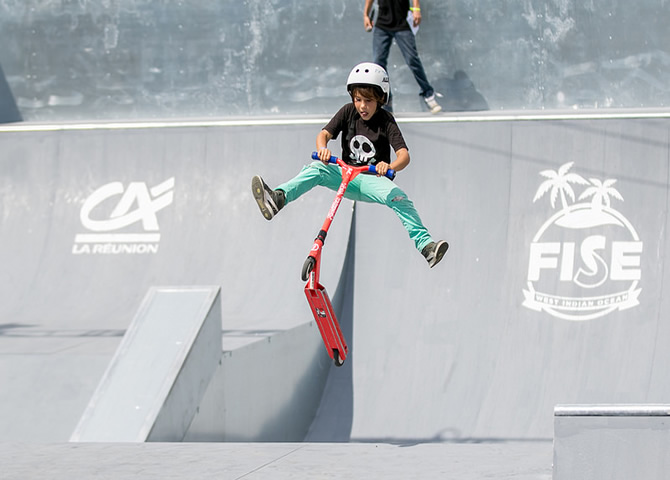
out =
column 365, row 188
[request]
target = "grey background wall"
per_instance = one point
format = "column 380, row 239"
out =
column 142, row 59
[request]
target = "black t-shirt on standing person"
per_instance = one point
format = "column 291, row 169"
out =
column 392, row 15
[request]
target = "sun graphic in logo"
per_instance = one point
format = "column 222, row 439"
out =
column 585, row 259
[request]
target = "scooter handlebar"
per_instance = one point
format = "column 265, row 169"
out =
column 390, row 173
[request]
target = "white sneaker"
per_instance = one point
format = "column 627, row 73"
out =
column 432, row 104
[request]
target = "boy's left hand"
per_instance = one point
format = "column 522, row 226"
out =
column 382, row 168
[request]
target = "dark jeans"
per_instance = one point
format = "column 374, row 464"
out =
column 381, row 44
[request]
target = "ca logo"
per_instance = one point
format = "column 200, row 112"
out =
column 136, row 204
column 147, row 201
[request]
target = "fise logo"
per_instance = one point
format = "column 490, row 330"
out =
column 123, row 220
column 585, row 260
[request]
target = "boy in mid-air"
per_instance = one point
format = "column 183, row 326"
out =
column 368, row 134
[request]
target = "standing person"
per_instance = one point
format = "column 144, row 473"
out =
column 368, row 134
column 392, row 22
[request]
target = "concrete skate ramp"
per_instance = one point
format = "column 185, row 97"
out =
column 93, row 216
column 155, row 383
column 550, row 293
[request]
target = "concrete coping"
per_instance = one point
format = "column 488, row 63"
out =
column 278, row 120
column 613, row 410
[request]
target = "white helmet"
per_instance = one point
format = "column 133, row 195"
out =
column 369, row 74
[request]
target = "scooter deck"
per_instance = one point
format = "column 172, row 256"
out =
column 329, row 327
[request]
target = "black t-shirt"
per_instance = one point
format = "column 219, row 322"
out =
column 366, row 142
column 392, row 15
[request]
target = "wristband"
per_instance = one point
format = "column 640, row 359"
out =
column 415, row 9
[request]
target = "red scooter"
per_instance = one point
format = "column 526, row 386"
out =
column 316, row 293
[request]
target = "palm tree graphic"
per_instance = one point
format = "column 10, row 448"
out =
column 559, row 184
column 601, row 193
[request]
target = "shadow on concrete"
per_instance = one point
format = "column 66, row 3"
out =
column 459, row 94
column 9, row 112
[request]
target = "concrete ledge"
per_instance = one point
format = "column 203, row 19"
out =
column 613, row 442
column 612, row 410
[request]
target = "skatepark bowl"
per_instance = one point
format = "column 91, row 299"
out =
column 153, row 323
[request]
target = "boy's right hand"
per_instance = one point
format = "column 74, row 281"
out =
column 324, row 155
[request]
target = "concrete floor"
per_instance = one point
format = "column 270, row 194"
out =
column 277, row 461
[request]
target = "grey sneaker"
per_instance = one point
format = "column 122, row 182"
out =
column 433, row 106
column 434, row 252
column 268, row 200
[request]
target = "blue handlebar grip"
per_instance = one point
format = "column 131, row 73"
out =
column 333, row 158
column 390, row 173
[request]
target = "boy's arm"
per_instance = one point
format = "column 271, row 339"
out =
column 401, row 159
column 400, row 162
column 322, row 140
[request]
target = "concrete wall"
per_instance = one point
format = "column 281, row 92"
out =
column 142, row 59
column 459, row 351
column 520, row 316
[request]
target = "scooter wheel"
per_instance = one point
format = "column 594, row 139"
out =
column 336, row 358
column 307, row 268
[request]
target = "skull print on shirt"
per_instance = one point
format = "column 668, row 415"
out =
column 362, row 150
